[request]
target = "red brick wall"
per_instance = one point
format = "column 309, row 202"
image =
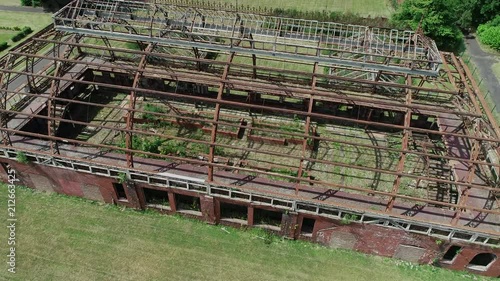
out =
column 467, row 253
column 366, row 238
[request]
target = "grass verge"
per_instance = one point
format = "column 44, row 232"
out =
column 371, row 8
column 68, row 238
column 10, row 3
column 482, row 86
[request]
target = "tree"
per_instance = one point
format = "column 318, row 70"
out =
column 483, row 11
column 51, row 5
column 438, row 19
column 489, row 33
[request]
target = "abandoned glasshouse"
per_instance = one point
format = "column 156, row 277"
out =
column 350, row 136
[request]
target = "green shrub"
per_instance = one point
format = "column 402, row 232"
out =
column 26, row 30
column 3, row 46
column 489, row 33
column 22, row 158
column 21, row 34
column 152, row 108
column 18, row 36
column 152, row 146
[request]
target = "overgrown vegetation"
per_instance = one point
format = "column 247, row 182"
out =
column 349, row 218
column 22, row 158
column 171, row 146
column 152, row 108
column 287, row 172
column 489, row 33
column 122, row 178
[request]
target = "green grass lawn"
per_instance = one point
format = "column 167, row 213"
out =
column 5, row 35
column 36, row 21
column 362, row 7
column 10, row 2
column 63, row 238
column 496, row 69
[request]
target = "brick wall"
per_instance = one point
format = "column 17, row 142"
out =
column 366, row 238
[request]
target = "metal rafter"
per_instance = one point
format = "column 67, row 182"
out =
column 4, row 85
column 293, row 72
column 404, row 146
column 199, row 162
column 364, row 46
column 264, row 88
column 310, row 105
column 291, row 134
column 296, row 85
column 277, row 89
column 465, row 190
column 213, row 134
column 132, row 100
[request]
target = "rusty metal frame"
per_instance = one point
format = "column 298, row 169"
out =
column 132, row 101
column 454, row 83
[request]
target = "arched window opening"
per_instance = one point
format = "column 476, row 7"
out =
column 482, row 261
column 451, row 254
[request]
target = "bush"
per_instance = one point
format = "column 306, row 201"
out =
column 21, row 34
column 489, row 33
column 3, row 46
column 26, row 30
column 22, row 158
column 18, row 36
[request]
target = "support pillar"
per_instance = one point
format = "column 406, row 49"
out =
column 207, row 205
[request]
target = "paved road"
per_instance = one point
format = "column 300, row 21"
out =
column 484, row 62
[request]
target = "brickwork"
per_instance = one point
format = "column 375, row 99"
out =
column 366, row 238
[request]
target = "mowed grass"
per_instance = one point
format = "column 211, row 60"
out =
column 63, row 238
column 496, row 69
column 372, row 8
column 10, row 3
column 36, row 21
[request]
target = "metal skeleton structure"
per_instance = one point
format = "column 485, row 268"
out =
column 228, row 60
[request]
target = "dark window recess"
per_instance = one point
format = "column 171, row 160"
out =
column 156, row 197
column 451, row 253
column 232, row 211
column 5, row 167
column 266, row 217
column 186, row 202
column 483, row 260
column 120, row 191
column 307, row 226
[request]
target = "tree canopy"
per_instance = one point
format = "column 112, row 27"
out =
column 50, row 5
column 489, row 33
column 438, row 19
column 443, row 20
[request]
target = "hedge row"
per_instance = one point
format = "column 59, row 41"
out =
column 489, row 33
column 21, row 34
column 16, row 28
column 3, row 46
